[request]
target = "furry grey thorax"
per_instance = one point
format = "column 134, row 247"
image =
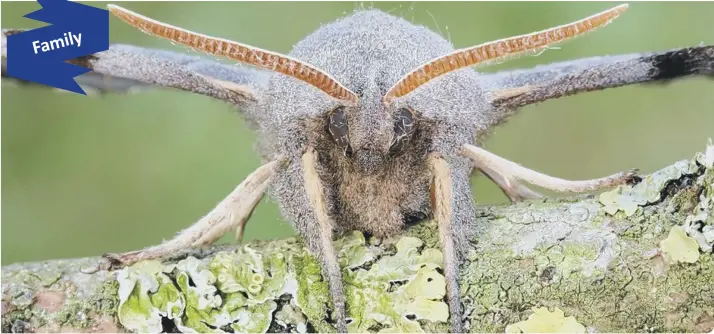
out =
column 368, row 52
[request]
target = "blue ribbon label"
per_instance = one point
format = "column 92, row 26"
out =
column 74, row 30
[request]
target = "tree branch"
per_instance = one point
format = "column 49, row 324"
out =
column 637, row 258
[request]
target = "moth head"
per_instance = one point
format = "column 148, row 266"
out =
column 369, row 143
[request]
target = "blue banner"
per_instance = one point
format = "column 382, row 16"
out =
column 74, row 30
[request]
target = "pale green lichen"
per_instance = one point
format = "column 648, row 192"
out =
column 614, row 201
column 679, row 247
column 352, row 250
column 235, row 289
column 544, row 321
column 255, row 319
column 291, row 316
column 424, row 231
column 312, row 295
column 374, row 303
column 629, row 198
column 239, row 290
column 167, row 299
column 406, row 262
column 136, row 311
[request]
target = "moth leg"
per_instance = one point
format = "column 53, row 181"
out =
column 231, row 213
column 484, row 159
column 240, row 229
column 328, row 256
column 514, row 190
column 443, row 193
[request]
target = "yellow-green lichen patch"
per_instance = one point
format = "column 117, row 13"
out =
column 255, row 319
column 261, row 278
column 614, row 201
column 312, row 294
column 629, row 198
column 167, row 299
column 352, row 250
column 136, row 284
column 679, row 247
column 406, row 262
column 398, row 290
column 544, row 321
column 291, row 316
column 246, row 290
column 236, row 291
column 196, row 283
column 424, row 231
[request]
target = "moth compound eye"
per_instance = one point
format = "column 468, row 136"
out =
column 403, row 128
column 339, row 129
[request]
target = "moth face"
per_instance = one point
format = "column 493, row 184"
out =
column 371, row 144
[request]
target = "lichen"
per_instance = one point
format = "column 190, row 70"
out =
column 239, row 290
column 544, row 321
column 420, row 288
column 699, row 224
column 136, row 311
column 615, row 201
column 291, row 316
column 610, row 273
column 679, row 247
column 629, row 198
column 236, row 289
column 255, row 319
column 312, row 295
column 424, row 231
column 352, row 250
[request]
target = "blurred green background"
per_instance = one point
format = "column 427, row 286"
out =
column 86, row 175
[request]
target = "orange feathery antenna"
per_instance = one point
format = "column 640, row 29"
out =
column 499, row 50
column 239, row 52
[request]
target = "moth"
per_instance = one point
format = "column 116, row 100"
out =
column 372, row 122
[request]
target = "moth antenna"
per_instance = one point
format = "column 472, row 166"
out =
column 240, row 52
column 501, row 49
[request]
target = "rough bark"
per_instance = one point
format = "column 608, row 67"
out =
column 633, row 259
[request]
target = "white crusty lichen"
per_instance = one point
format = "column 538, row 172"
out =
column 247, row 290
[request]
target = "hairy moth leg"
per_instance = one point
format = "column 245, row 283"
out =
column 327, row 254
column 514, row 190
column 511, row 170
column 231, row 213
column 442, row 194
